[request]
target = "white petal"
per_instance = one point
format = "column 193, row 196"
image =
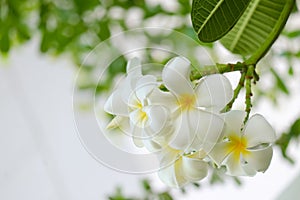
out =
column 115, row 105
column 159, row 118
column 119, row 122
column 170, row 160
column 194, row 169
column 134, row 73
column 152, row 145
column 183, row 134
column 119, row 140
column 234, row 167
column 260, row 159
column 249, row 171
column 168, row 156
column 176, row 76
column 258, row 131
column 208, row 128
column 144, row 86
column 158, row 97
column 127, row 90
column 214, row 92
column 134, row 67
column 173, row 175
column 137, row 136
column 158, row 142
column 119, row 136
column 219, row 153
column 167, row 175
column 233, row 122
column 159, row 129
column 179, row 174
column 138, row 118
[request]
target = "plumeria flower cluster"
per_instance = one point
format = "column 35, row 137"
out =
column 185, row 125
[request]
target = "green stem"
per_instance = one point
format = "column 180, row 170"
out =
column 236, row 92
column 249, row 76
column 261, row 52
column 198, row 73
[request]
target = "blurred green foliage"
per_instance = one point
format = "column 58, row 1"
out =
column 286, row 138
column 76, row 27
column 148, row 193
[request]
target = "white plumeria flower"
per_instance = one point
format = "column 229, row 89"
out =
column 131, row 105
column 244, row 151
column 195, row 108
column 179, row 169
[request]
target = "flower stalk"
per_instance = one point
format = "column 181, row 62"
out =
column 236, row 92
column 248, row 84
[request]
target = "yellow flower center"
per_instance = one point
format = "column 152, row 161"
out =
column 138, row 105
column 142, row 116
column 238, row 146
column 186, row 101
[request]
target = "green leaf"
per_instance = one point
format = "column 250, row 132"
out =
column 295, row 129
column 165, row 196
column 104, row 31
column 292, row 34
column 280, row 83
column 285, row 139
column 119, row 195
column 4, row 42
column 257, row 25
column 212, row 19
column 196, row 185
column 283, row 143
column 237, row 181
column 147, row 186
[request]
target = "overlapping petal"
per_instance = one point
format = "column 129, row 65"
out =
column 137, row 136
column 119, row 133
column 208, row 128
column 138, row 117
column 159, row 130
column 219, row 152
column 197, row 129
column 134, row 67
column 183, row 135
column 159, row 118
column 128, row 89
column 194, row 169
column 234, row 121
column 176, row 76
column 167, row 99
column 145, row 86
column 259, row 131
column 214, row 92
column 173, row 175
column 120, row 122
column 115, row 104
column 182, row 169
column 260, row 159
column 234, row 166
column 151, row 126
